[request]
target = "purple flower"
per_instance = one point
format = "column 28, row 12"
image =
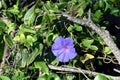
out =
column 63, row 48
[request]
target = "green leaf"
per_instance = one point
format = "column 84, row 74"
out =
column 10, row 26
column 26, row 29
column 44, row 77
column 49, row 7
column 30, row 40
column 92, row 47
column 89, row 56
column 115, row 11
column 49, row 37
column 3, row 4
column 24, row 56
column 3, row 27
column 110, row 78
column 14, row 10
column 87, row 43
column 40, row 49
column 18, row 58
column 99, row 63
column 48, row 18
column 32, row 56
column 101, row 3
column 97, row 15
column 0, row 4
column 80, row 12
column 100, row 77
column 42, row 66
column 96, row 6
column 22, row 38
column 70, row 77
column 8, row 39
column 19, row 75
column 17, row 38
column 100, row 40
column 30, row 16
column 107, row 6
column 4, row 78
column 70, row 28
column 107, row 50
column 53, row 76
column 77, row 27
column 55, row 61
column 54, row 37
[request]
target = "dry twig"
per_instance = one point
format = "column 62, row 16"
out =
column 78, row 70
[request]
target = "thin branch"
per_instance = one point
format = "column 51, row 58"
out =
column 78, row 70
column 103, row 33
column 116, row 70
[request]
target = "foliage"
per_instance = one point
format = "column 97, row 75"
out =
column 32, row 27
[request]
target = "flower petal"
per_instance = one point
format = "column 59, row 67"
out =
column 72, row 54
column 57, row 53
column 59, row 40
column 63, row 57
column 56, row 46
column 68, row 42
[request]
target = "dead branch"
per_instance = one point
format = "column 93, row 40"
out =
column 78, row 70
column 103, row 33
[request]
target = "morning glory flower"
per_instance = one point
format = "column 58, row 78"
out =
column 63, row 49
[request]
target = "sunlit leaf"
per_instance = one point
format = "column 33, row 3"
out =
column 53, row 76
column 22, row 38
column 87, row 42
column 26, row 29
column 80, row 12
column 77, row 27
column 70, row 28
column 49, row 37
column 24, row 56
column 30, row 16
column 101, row 3
column 16, row 38
column 55, row 61
column 11, row 26
column 42, row 66
column 107, row 50
column 3, row 27
column 4, row 78
column 14, row 9
column 40, row 49
column 90, row 56
column 19, row 75
column 93, row 47
column 32, row 56
column 100, row 77
column 44, row 77
column 97, row 16
column 30, row 39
